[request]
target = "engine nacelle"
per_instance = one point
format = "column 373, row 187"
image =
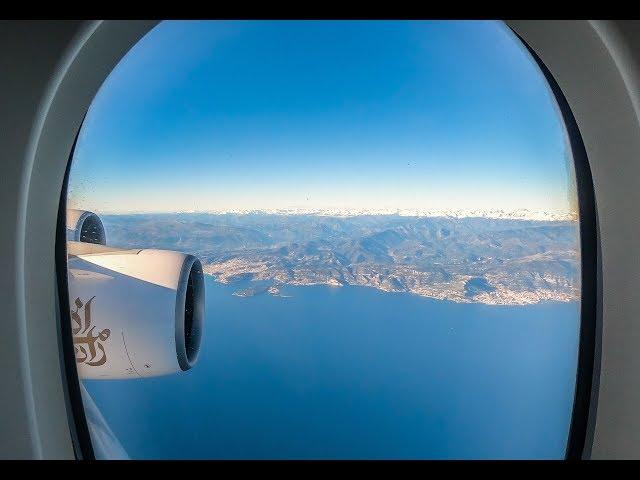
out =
column 83, row 226
column 134, row 313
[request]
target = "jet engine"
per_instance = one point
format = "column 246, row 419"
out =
column 83, row 226
column 134, row 312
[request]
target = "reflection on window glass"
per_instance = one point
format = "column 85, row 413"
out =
column 301, row 239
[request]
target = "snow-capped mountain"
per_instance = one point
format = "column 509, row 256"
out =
column 516, row 214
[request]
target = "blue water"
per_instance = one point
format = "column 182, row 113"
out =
column 354, row 372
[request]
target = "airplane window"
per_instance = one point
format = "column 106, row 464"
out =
column 325, row 240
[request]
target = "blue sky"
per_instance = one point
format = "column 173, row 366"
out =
column 353, row 114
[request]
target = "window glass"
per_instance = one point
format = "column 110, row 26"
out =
column 325, row 239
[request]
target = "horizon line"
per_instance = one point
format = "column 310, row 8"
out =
column 515, row 214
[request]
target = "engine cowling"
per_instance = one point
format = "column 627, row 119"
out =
column 84, row 226
column 134, row 313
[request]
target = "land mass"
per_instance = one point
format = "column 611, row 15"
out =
column 497, row 261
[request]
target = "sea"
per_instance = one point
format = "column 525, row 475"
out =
column 357, row 373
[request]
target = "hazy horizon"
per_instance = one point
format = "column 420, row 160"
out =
column 516, row 214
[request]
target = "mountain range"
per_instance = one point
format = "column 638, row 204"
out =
column 463, row 259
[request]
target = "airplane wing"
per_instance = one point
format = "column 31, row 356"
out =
column 106, row 445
